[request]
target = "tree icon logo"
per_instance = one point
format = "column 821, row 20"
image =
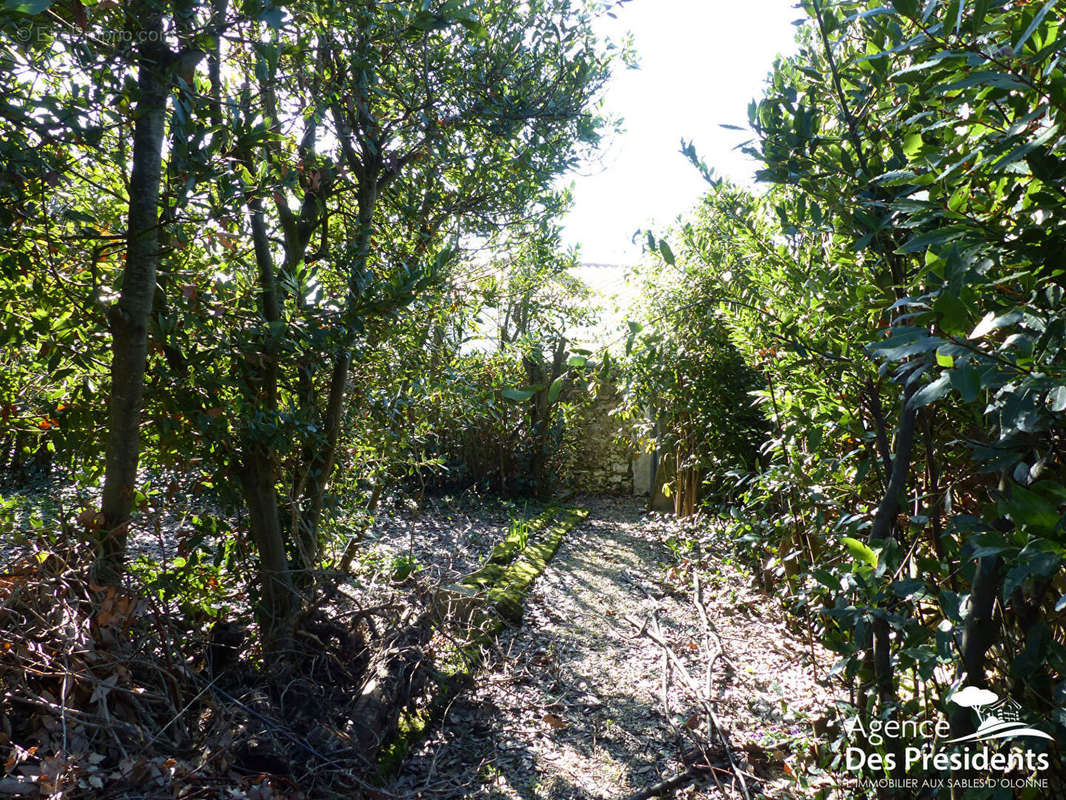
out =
column 1004, row 721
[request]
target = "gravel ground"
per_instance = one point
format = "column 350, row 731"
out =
column 570, row 704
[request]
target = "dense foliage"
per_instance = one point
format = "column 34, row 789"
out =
column 276, row 260
column 687, row 386
column 899, row 288
column 222, row 222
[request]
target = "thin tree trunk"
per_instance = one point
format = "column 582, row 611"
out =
column 321, row 465
column 883, row 527
column 214, row 63
column 320, row 468
column 277, row 608
column 978, row 634
column 128, row 318
column 257, row 469
column 885, row 516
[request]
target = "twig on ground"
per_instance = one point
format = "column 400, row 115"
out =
column 690, row 775
column 702, row 696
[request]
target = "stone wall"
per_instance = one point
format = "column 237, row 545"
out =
column 601, row 465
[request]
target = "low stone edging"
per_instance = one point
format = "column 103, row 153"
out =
column 484, row 602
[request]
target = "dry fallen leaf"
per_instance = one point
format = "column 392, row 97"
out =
column 555, row 721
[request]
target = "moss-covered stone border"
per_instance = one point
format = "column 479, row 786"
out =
column 492, row 597
column 507, row 550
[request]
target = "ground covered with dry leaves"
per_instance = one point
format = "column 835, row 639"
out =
column 646, row 655
column 573, row 704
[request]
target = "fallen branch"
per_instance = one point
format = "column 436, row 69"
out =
column 669, row 784
column 650, row 629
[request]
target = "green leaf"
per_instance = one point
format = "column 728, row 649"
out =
column 905, row 341
column 990, row 322
column 986, row 550
column 966, row 381
column 931, row 392
column 944, row 360
column 517, row 395
column 428, row 21
column 860, row 551
column 28, row 6
column 908, row 8
column 979, row 11
column 912, row 143
column 274, row 17
column 945, row 234
column 983, row 327
column 556, row 388
column 1056, row 399
column 667, row 253
column 1029, row 508
column 1032, row 566
column 1043, row 12
column 1000, row 80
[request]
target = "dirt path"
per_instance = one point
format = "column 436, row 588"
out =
column 570, row 706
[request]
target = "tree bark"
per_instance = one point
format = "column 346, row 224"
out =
column 257, row 469
column 128, row 318
column 978, row 634
column 885, row 516
column 883, row 527
column 278, row 607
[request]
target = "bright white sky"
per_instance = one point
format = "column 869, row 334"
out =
column 701, row 63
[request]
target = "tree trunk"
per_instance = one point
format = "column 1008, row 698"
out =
column 320, row 467
column 128, row 318
column 278, row 607
column 257, row 467
column 979, row 633
column 321, row 464
column 884, row 528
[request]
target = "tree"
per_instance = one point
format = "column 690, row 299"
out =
column 128, row 317
column 688, row 390
column 409, row 116
column 540, row 305
column 309, row 188
column 903, row 303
